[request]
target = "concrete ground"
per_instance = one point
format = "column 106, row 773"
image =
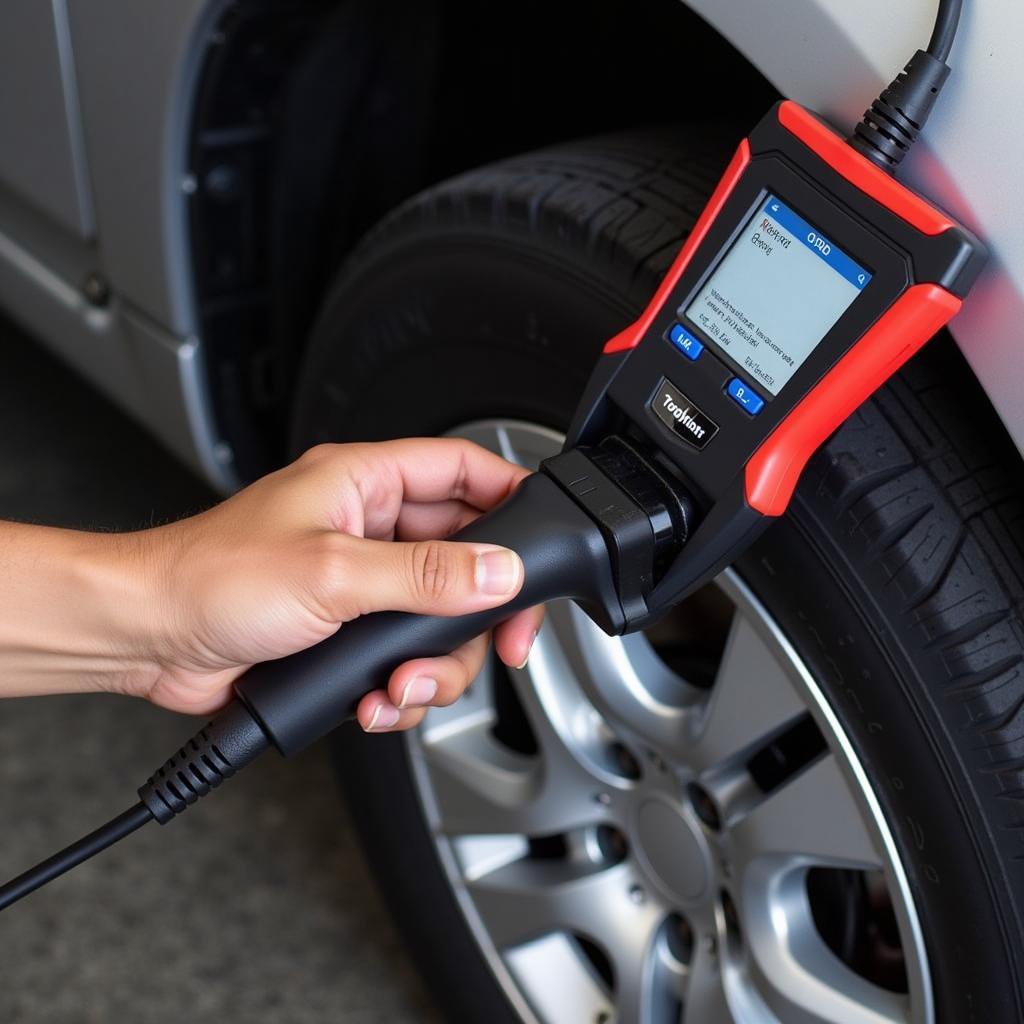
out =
column 255, row 905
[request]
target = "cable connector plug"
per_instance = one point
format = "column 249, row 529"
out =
column 215, row 753
column 222, row 747
column 893, row 122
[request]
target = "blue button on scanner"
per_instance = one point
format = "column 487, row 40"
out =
column 685, row 342
column 741, row 393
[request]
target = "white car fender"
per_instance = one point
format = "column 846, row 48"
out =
column 834, row 57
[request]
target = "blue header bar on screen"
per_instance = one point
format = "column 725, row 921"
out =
column 789, row 220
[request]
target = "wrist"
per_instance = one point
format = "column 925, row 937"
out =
column 76, row 612
column 123, row 619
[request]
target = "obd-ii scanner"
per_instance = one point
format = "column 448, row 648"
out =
column 811, row 276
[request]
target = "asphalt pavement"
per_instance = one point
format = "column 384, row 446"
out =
column 256, row 905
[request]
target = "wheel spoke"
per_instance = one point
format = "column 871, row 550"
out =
column 533, row 898
column 797, row 975
column 481, row 787
column 752, row 698
column 651, row 991
column 480, row 854
column 524, row 902
column 624, row 678
column 830, row 994
column 573, row 737
column 812, row 819
column 530, row 900
column 704, row 997
column 560, row 716
column 562, row 985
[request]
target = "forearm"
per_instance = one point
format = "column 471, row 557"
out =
column 75, row 611
column 178, row 612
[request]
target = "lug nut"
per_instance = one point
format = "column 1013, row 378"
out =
column 705, row 807
column 624, row 762
column 732, row 918
column 612, row 844
column 679, row 938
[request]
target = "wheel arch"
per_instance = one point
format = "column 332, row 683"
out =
column 295, row 151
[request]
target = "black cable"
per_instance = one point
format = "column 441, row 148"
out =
column 946, row 22
column 892, row 123
column 121, row 826
column 213, row 755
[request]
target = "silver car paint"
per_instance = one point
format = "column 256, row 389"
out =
column 95, row 97
column 133, row 88
column 42, row 152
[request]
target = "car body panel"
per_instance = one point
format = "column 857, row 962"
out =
column 136, row 106
column 42, row 157
column 155, row 375
column 134, row 88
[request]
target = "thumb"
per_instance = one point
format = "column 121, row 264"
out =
column 432, row 577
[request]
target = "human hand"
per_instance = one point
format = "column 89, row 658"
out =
column 344, row 531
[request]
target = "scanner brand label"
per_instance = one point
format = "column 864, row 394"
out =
column 682, row 416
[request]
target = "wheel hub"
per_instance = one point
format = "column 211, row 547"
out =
column 672, row 850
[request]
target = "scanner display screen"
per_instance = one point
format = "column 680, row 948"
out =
column 775, row 294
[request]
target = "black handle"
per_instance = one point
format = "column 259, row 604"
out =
column 300, row 698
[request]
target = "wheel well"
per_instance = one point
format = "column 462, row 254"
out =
column 313, row 118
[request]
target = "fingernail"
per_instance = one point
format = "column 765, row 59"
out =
column 383, row 718
column 529, row 649
column 418, row 691
column 498, row 571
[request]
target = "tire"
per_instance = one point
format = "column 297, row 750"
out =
column 489, row 296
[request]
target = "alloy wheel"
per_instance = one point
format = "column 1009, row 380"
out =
column 670, row 826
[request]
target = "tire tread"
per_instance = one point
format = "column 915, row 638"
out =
column 624, row 201
column 940, row 506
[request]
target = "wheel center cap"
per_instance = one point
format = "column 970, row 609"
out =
column 672, row 849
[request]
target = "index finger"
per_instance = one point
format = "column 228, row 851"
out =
column 430, row 469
